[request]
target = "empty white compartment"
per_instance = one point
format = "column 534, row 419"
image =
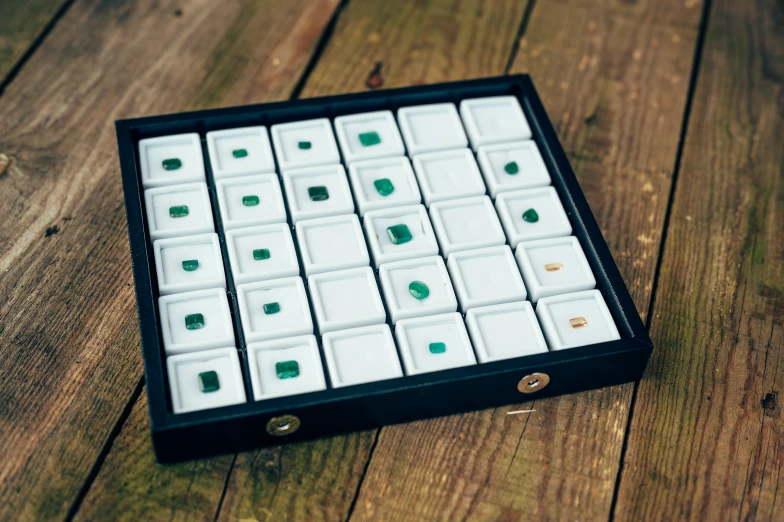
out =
column 383, row 183
column 346, row 299
column 399, row 233
column 184, row 264
column 273, row 309
column 194, row 321
column 285, row 367
column 317, row 192
column 204, row 380
column 427, row 128
column 261, row 253
column 505, row 331
column 360, row 355
column 417, row 287
column 432, row 343
column 448, row 174
column 495, row 119
column 332, row 243
column 171, row 160
column 178, row 210
column 250, row 200
column 368, row 135
column 237, row 152
column 512, row 166
column 532, row 214
column 554, row 266
column 576, row 319
column 486, row 276
column 304, row 144
column 465, row 224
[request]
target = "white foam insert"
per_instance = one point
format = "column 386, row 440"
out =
column 465, row 224
column 255, row 140
column 532, row 171
column 292, row 319
column 553, row 221
column 212, row 304
column 332, row 243
column 287, row 136
column 170, row 254
column 575, row 274
column 158, row 201
column 301, row 206
column 241, row 242
column 396, row 277
column 184, row 370
column 448, row 174
column 423, row 242
column 185, row 147
column 262, row 358
column 486, row 276
column 495, row 119
column 414, row 337
column 348, row 129
column 235, row 214
column 346, row 299
column 555, row 312
column 505, row 331
column 398, row 170
column 427, row 128
column 360, row 355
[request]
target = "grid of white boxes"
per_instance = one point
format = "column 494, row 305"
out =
column 400, row 215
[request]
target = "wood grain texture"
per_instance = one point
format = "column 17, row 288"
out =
column 21, row 23
column 707, row 437
column 76, row 361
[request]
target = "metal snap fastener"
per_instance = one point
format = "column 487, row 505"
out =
column 283, row 425
column 533, row 382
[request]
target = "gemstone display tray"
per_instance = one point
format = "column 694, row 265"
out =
column 266, row 418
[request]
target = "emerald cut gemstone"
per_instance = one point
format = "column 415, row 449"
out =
column 437, row 347
column 418, row 289
column 272, row 308
column 260, row 254
column 511, row 167
column 194, row 321
column 250, row 201
column 530, row 216
column 178, row 211
column 304, row 145
column 399, row 234
column 171, row 163
column 287, row 369
column 240, row 153
column 318, row 193
column 209, row 382
column 384, row 186
column 368, row 139
column 189, row 265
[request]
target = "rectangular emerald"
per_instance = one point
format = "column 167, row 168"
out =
column 178, row 211
column 189, row 265
column 194, row 321
column 318, row 193
column 437, row 347
column 260, row 254
column 239, row 153
column 209, row 382
column 171, row 163
column 368, row 139
column 287, row 369
column 399, row 234
column 250, row 201
column 272, row 308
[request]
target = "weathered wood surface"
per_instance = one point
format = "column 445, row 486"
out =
column 21, row 23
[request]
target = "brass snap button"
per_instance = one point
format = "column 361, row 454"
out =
column 283, row 425
column 533, row 382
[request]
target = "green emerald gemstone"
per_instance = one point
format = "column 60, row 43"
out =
column 511, row 167
column 250, row 201
column 272, row 308
column 437, row 347
column 208, row 382
column 318, row 193
column 260, row 254
column 368, row 139
column 178, row 211
column 304, row 145
column 189, row 265
column 194, row 321
column 418, row 289
column 530, row 216
column 287, row 369
column 399, row 234
column 239, row 153
column 384, row 186
column 171, row 163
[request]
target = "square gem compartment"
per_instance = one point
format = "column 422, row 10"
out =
column 554, row 266
column 273, row 309
column 428, row 128
column 399, row 233
column 448, row 174
column 512, row 166
column 178, row 210
column 464, row 224
column 261, row 253
column 171, row 160
column 383, row 183
column 346, row 299
column 361, row 355
column 250, row 200
column 332, row 243
column 184, row 264
column 417, row 287
column 532, row 214
column 317, row 192
column 496, row 119
column 305, row 144
column 285, row 367
column 485, row 277
column 193, row 321
column 204, row 380
column 236, row 152
column 432, row 343
column 576, row 319
column 368, row 135
column 505, row 331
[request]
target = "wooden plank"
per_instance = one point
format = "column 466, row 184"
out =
column 70, row 342
column 707, row 432
column 614, row 78
column 21, row 23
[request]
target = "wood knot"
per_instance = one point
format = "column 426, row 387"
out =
column 54, row 229
column 374, row 79
column 769, row 402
